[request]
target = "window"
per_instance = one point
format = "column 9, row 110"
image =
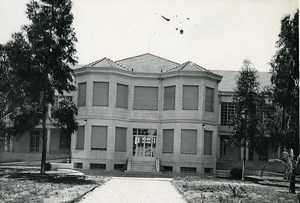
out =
column 188, row 169
column 100, row 93
column 145, row 98
column 168, row 140
column 122, row 96
column 208, row 142
column 120, row 139
column 64, row 141
column 82, row 94
column 119, row 167
column 190, row 97
column 59, row 98
column 78, row 165
column 99, row 138
column 209, row 99
column 188, row 141
column 34, row 144
column 169, row 98
column 227, row 111
column 4, row 143
column 80, row 138
column 97, row 166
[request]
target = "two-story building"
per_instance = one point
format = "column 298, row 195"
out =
column 147, row 113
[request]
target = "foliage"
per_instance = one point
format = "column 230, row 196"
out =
column 291, row 166
column 246, row 101
column 285, row 84
column 63, row 117
column 39, row 58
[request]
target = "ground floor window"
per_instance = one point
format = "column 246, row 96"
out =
column 188, row 141
column 64, row 141
column 34, row 143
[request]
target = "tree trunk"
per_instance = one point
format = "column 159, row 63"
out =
column 44, row 135
column 244, row 163
column 292, row 188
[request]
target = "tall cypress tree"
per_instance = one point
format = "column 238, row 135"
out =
column 246, row 100
column 285, row 84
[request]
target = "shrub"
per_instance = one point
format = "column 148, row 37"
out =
column 236, row 173
column 48, row 166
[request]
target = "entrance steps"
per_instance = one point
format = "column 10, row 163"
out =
column 143, row 166
column 140, row 166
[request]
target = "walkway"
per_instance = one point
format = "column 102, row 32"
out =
column 135, row 190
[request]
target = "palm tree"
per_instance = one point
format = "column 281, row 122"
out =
column 291, row 166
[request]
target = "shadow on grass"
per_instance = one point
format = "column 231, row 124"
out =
column 53, row 178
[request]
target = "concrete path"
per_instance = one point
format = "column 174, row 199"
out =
column 135, row 190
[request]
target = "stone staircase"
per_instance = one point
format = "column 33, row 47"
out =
column 143, row 166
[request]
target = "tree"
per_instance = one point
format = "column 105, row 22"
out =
column 48, row 46
column 285, row 85
column 291, row 164
column 246, row 100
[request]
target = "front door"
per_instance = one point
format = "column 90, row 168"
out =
column 144, row 143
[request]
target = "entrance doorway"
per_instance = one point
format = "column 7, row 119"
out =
column 144, row 142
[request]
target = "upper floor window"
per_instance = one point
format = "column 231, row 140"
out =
column 209, row 99
column 190, row 97
column 82, row 94
column 227, row 111
column 122, row 96
column 169, row 98
column 100, row 93
column 145, row 98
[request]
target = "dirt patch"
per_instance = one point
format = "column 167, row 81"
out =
column 30, row 186
column 203, row 189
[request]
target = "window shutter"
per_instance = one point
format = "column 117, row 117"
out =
column 122, row 96
column 80, row 138
column 120, row 139
column 146, row 98
column 99, row 137
column 169, row 98
column 100, row 93
column 82, row 94
column 209, row 99
column 168, row 140
column 190, row 97
column 188, row 141
column 208, row 142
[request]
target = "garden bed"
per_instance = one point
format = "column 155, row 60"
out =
column 205, row 189
column 55, row 186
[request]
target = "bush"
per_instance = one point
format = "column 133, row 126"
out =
column 236, row 173
column 48, row 166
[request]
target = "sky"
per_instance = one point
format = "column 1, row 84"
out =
column 215, row 34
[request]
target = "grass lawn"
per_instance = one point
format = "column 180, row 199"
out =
column 30, row 186
column 205, row 189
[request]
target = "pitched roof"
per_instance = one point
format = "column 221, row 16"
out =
column 188, row 66
column 105, row 63
column 228, row 82
column 147, row 63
